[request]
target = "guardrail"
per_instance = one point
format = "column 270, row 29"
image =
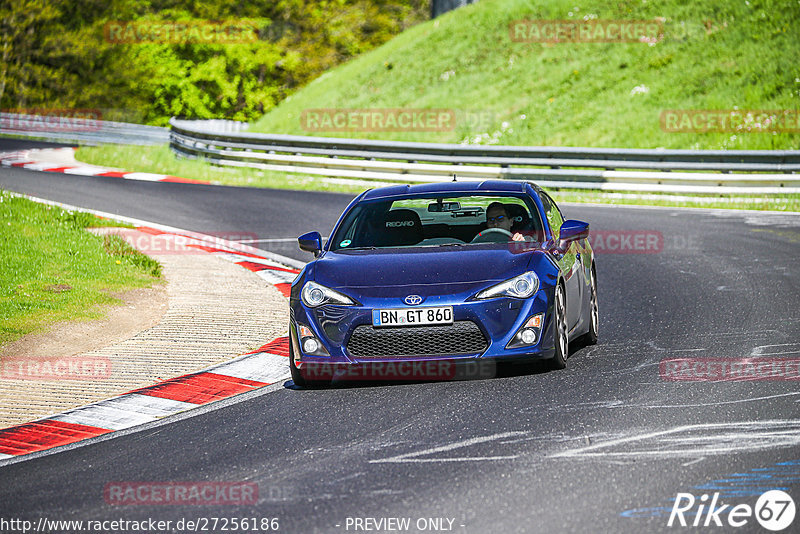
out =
column 81, row 130
column 225, row 142
column 705, row 171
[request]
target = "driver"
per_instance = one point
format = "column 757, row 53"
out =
column 497, row 217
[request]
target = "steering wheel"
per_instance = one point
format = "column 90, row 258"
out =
column 491, row 235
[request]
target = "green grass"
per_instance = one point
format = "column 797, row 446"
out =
column 741, row 202
column 116, row 247
column 52, row 269
column 714, row 55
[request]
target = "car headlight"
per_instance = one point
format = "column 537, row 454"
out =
column 521, row 287
column 315, row 294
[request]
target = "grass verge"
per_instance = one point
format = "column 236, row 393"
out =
column 159, row 159
column 677, row 200
column 52, row 270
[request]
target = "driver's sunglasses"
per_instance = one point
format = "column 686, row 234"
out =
column 495, row 219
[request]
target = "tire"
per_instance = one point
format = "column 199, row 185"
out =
column 297, row 376
column 590, row 338
column 560, row 334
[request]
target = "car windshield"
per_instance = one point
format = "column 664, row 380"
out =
column 438, row 222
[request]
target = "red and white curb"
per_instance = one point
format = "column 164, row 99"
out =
column 63, row 160
column 248, row 372
column 255, row 370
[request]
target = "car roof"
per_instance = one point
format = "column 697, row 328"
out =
column 485, row 186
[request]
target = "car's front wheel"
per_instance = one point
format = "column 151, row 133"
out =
column 560, row 333
column 297, row 376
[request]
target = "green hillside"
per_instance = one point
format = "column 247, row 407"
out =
column 713, row 55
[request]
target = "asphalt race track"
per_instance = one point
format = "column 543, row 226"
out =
column 603, row 446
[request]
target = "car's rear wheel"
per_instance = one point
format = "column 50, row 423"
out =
column 560, row 333
column 594, row 312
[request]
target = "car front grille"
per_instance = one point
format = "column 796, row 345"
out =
column 462, row 337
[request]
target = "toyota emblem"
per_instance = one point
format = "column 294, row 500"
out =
column 412, row 300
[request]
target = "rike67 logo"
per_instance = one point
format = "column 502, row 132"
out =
column 774, row 510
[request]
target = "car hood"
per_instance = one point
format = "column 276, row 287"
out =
column 424, row 270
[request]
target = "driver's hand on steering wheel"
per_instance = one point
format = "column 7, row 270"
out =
column 518, row 237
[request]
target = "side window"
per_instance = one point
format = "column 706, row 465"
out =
column 553, row 214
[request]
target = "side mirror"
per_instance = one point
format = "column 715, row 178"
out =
column 571, row 230
column 310, row 242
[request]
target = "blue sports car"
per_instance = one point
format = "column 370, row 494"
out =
column 418, row 281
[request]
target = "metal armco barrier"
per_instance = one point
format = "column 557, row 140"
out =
column 713, row 171
column 81, row 130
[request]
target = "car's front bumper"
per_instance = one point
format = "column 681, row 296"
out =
column 498, row 319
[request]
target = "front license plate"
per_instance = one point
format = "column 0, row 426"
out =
column 413, row 316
